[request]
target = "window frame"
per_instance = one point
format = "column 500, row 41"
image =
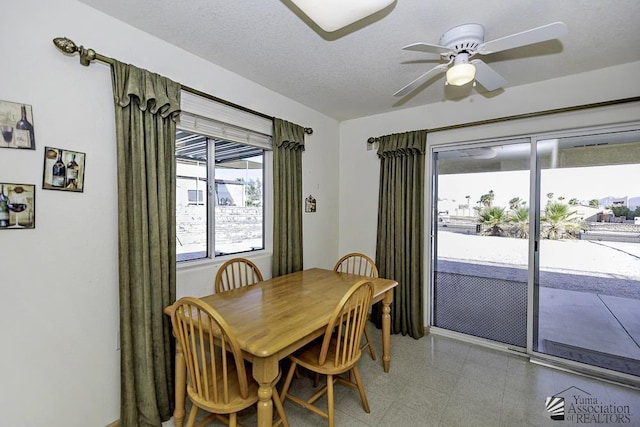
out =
column 214, row 120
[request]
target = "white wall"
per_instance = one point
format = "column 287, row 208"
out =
column 359, row 199
column 59, row 282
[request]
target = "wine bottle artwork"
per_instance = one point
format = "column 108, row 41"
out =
column 59, row 172
column 72, row 173
column 25, row 125
column 17, row 206
column 16, row 126
column 63, row 170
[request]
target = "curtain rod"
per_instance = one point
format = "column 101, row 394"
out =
column 67, row 46
column 372, row 139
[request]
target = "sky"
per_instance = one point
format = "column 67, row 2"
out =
column 584, row 183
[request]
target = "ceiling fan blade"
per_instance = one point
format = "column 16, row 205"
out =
column 423, row 78
column 487, row 76
column 535, row 35
column 427, row 47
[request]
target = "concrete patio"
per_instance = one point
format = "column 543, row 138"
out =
column 589, row 293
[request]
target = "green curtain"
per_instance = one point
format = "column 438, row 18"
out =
column 288, row 145
column 399, row 246
column 146, row 106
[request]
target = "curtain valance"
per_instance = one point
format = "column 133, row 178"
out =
column 153, row 93
column 402, row 144
column 288, row 135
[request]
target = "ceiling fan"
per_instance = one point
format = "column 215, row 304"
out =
column 459, row 44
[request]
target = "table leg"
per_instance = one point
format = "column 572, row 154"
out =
column 386, row 329
column 180, row 386
column 265, row 371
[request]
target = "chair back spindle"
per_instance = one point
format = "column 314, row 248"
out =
column 236, row 273
column 356, row 263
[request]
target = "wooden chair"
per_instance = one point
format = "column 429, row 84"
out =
column 219, row 381
column 337, row 352
column 357, row 263
column 236, row 273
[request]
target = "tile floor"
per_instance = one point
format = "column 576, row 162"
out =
column 439, row 381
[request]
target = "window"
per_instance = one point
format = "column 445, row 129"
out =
column 196, row 197
column 220, row 177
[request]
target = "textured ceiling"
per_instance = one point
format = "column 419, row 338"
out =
column 355, row 71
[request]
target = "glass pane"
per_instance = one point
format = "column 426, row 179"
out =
column 481, row 229
column 191, row 207
column 238, row 198
column 588, row 286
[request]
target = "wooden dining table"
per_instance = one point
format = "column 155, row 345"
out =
column 276, row 317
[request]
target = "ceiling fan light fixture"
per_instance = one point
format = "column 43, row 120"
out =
column 460, row 75
column 332, row 15
column 462, row 71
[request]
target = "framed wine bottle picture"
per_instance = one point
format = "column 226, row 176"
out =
column 63, row 170
column 16, row 126
column 17, row 206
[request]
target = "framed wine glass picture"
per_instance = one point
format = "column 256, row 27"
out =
column 16, row 126
column 63, row 170
column 17, row 206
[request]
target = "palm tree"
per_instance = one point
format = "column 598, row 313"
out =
column 487, row 199
column 559, row 222
column 515, row 203
column 520, row 219
column 493, row 218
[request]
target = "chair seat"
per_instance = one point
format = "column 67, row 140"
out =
column 236, row 402
column 308, row 358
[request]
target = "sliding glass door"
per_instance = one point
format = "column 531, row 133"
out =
column 588, row 288
column 480, row 246
column 542, row 252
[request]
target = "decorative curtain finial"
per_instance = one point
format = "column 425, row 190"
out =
column 67, row 46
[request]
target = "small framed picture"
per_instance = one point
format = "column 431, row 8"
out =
column 63, row 170
column 17, row 206
column 310, row 204
column 16, row 126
